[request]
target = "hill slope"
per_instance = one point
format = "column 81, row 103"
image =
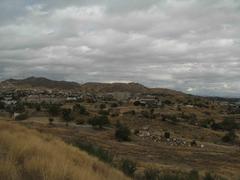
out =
column 40, row 82
column 113, row 87
column 27, row 154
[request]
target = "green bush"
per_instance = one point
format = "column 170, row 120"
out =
column 50, row 120
column 229, row 137
column 155, row 174
column 207, row 123
column 2, row 105
column 95, row 151
column 104, row 112
column 128, row 167
column 114, row 105
column 53, row 109
column 102, row 106
column 38, row 107
column 209, row 176
column 229, row 124
column 122, row 132
column 80, row 109
column 19, row 108
column 167, row 135
column 67, row 115
column 80, row 121
column 99, row 121
column 193, row 175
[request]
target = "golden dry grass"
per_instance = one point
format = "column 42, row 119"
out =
column 29, row 155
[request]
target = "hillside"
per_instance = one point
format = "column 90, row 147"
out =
column 27, row 154
column 113, row 87
column 39, row 82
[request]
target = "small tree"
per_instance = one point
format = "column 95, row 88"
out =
column 229, row 137
column 80, row 108
column 99, row 121
column 114, row 105
column 102, row 106
column 193, row 174
column 2, row 105
column 67, row 116
column 19, row 107
column 229, row 124
column 122, row 132
column 53, row 111
column 50, row 120
column 38, row 107
column 136, row 103
column 128, row 167
column 167, row 135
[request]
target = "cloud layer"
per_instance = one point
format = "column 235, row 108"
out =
column 188, row 45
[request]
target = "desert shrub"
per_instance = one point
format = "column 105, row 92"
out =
column 151, row 174
column 103, row 112
column 229, row 124
column 67, row 115
column 80, row 109
column 50, row 120
column 79, row 121
column 193, row 143
column 155, row 174
column 210, row 176
column 193, row 175
column 216, row 126
column 167, row 135
column 136, row 103
column 131, row 112
column 173, row 119
column 122, row 132
column 2, row 105
column 229, row 137
column 207, row 123
column 102, row 106
column 167, row 102
column 145, row 114
column 95, row 151
column 21, row 117
column 99, row 121
column 53, row 109
column 128, row 167
column 19, row 107
column 114, row 105
column 37, row 107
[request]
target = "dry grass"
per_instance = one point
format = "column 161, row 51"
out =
column 29, row 155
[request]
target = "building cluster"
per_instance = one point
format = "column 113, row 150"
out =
column 11, row 97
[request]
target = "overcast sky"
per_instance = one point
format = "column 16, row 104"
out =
column 187, row 45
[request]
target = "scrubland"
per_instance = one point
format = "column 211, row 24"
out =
column 29, row 155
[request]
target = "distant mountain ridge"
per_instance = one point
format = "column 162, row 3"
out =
column 40, row 82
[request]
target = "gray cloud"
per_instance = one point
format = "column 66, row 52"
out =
column 187, row 45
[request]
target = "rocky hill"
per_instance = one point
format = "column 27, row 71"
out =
column 114, row 87
column 41, row 82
